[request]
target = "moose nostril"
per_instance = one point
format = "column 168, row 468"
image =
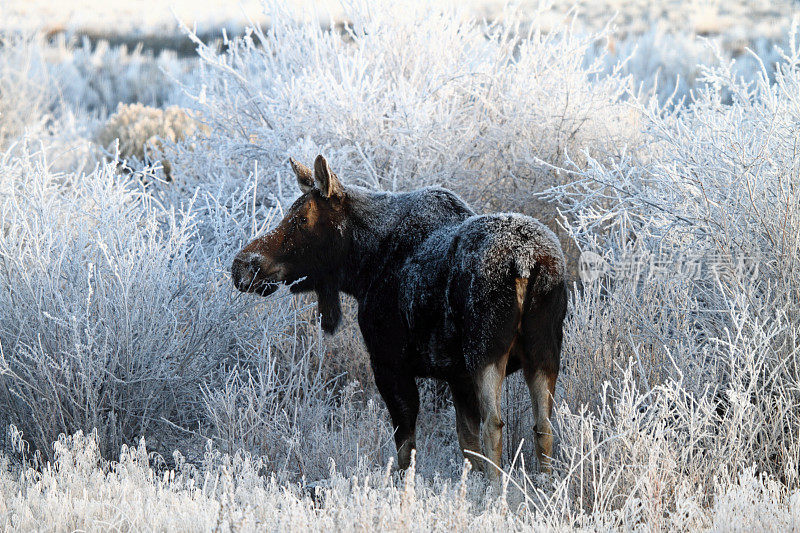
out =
column 240, row 273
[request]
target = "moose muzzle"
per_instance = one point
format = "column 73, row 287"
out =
column 250, row 274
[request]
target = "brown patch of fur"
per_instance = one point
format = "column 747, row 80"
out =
column 550, row 263
column 515, row 353
column 301, row 227
column 311, row 214
column 521, row 285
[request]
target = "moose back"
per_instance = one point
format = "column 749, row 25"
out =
column 441, row 292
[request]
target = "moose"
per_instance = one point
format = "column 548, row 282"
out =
column 442, row 292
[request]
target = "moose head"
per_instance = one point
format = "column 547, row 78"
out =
column 307, row 249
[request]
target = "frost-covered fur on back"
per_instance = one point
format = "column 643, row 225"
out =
column 434, row 222
column 442, row 292
column 463, row 275
column 511, row 241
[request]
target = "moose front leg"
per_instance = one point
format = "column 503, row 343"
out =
column 401, row 395
column 468, row 420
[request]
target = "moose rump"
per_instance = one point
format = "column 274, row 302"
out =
column 482, row 299
column 441, row 292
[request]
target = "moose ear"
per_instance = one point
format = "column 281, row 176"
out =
column 325, row 180
column 305, row 178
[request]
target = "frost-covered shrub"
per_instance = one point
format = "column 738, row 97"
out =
column 96, row 78
column 31, row 106
column 701, row 237
column 26, row 94
column 301, row 439
column 116, row 316
column 408, row 96
column 661, row 61
column 142, row 132
column 669, row 63
column 56, row 93
column 663, row 455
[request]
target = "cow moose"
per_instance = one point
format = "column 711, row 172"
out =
column 442, row 292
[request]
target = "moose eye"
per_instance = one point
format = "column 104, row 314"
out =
column 299, row 221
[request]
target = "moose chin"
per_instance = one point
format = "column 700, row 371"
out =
column 442, row 292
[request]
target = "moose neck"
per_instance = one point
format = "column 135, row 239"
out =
column 372, row 218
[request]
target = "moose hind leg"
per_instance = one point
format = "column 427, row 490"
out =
column 489, row 384
column 541, row 386
column 542, row 335
column 402, row 399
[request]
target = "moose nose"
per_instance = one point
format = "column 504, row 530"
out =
column 243, row 271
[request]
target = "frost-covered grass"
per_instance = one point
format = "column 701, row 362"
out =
column 678, row 406
column 82, row 491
